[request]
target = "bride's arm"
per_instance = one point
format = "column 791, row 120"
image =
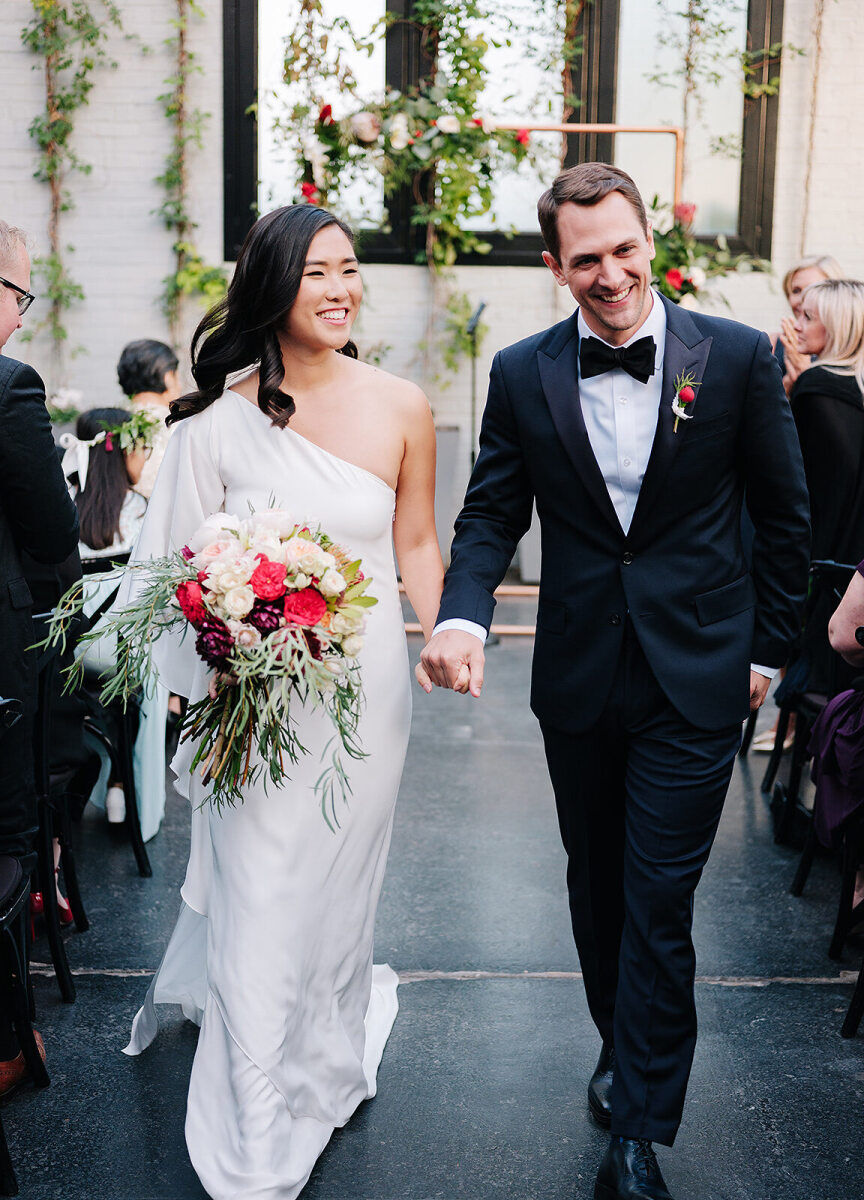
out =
column 414, row 527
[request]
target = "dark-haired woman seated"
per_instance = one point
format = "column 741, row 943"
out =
column 272, row 952
column 103, row 480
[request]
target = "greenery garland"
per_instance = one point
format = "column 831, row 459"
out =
column 191, row 275
column 70, row 41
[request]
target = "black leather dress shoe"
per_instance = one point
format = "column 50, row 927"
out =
column 630, row 1172
column 600, row 1086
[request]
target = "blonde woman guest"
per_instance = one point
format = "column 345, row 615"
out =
column 795, row 282
column 147, row 373
column 827, row 401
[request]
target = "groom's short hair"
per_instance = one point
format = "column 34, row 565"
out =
column 585, row 184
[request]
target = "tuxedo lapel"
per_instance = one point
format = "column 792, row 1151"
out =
column 686, row 351
column 558, row 364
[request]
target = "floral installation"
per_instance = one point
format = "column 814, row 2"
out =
column 453, row 154
column 685, row 394
column 683, row 264
column 277, row 612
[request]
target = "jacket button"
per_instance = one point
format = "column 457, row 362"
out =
column 615, row 619
column 627, row 558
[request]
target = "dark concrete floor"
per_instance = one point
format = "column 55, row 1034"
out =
column 482, row 1084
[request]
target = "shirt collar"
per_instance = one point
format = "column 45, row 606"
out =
column 653, row 326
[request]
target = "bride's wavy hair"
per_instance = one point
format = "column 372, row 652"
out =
column 242, row 330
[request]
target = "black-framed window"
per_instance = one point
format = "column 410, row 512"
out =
column 595, row 82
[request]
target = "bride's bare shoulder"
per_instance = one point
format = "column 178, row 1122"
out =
column 392, row 390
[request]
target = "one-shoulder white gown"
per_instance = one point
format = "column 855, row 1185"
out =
column 272, row 952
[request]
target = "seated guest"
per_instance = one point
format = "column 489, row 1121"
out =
column 795, row 282
column 104, row 479
column 147, row 372
column 837, row 740
column 36, row 516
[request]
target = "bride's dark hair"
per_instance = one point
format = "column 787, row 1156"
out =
column 241, row 330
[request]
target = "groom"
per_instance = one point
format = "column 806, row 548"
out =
column 653, row 636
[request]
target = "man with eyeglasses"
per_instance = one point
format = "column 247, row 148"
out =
column 37, row 516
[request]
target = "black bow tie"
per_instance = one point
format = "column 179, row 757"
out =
column 595, row 358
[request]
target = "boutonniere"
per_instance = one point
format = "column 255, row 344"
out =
column 683, row 398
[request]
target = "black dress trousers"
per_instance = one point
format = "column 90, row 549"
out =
column 639, row 797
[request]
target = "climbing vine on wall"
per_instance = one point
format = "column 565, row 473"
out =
column 191, row 275
column 70, row 41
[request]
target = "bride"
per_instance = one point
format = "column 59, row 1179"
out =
column 272, row 951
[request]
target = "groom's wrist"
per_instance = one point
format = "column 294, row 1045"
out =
column 768, row 672
column 465, row 627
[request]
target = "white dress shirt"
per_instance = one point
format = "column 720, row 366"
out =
column 620, row 415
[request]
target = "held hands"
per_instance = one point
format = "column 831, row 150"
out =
column 759, row 685
column 452, row 659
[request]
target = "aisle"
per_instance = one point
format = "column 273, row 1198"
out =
column 482, row 1085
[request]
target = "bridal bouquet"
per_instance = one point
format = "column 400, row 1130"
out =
column 277, row 611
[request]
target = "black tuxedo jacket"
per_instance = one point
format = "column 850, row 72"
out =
column 37, row 515
column 680, row 573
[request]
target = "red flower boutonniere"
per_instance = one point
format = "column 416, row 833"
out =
column 684, row 397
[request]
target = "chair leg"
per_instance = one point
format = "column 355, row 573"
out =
column 50, row 909
column 777, row 753
column 15, row 950
column 856, row 1008
column 806, row 861
column 747, row 737
column 70, row 875
column 8, row 1182
column 847, row 894
column 799, row 757
column 133, row 820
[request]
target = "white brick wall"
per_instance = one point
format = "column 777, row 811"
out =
column 122, row 253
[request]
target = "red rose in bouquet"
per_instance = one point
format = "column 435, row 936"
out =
column 305, row 607
column 675, row 279
column 190, row 598
column 268, row 579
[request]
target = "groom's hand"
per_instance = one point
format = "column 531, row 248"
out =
column 759, row 685
column 452, row 659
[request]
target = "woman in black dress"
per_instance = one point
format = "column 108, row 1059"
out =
column 828, row 405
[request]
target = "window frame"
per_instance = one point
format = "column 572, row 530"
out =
column 594, row 82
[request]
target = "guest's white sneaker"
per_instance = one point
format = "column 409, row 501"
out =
column 115, row 805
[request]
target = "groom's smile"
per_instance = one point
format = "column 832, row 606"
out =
column 605, row 260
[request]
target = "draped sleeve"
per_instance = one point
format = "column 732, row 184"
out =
column 188, row 489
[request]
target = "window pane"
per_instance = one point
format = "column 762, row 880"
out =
column 363, row 196
column 523, row 85
column 713, row 153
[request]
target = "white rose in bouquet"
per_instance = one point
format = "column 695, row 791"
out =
column 212, row 530
column 697, row 277
column 331, row 583
column 347, row 622
column 238, row 601
column 352, row 645
column 244, row 635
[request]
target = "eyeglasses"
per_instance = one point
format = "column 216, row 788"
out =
column 24, row 299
